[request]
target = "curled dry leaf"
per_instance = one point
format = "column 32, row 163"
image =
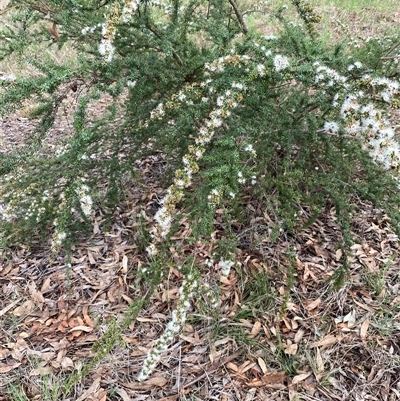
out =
column 364, row 328
column 4, row 368
column 301, row 377
column 158, row 381
column 291, row 349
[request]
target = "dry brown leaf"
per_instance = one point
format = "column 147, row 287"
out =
column 244, row 367
column 299, row 335
column 291, row 349
column 36, row 295
column 124, row 269
column 262, row 365
column 9, row 306
column 89, row 322
column 319, row 361
column 41, row 371
column 4, row 353
column 313, row 304
column 223, row 341
column 293, row 394
column 24, row 309
column 301, row 377
column 46, row 285
column 192, row 340
column 101, row 395
column 271, row 380
column 66, row 363
column 123, row 394
column 327, row 341
column 232, row 366
column 4, row 368
column 158, row 381
column 364, row 328
column 86, row 329
column 91, row 390
column 255, row 330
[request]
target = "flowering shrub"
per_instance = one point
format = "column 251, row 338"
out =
column 291, row 120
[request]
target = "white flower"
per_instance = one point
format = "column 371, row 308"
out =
column 181, row 96
column 129, row 8
column 130, row 84
column 9, row 77
column 331, row 126
column 280, row 62
column 237, row 85
column 173, row 327
column 151, row 250
column 106, row 49
column 261, row 70
column 225, row 266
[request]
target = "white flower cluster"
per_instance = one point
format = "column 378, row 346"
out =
column 7, row 77
column 215, row 196
column 33, row 205
column 368, row 124
column 130, row 84
column 59, row 234
column 331, row 127
column 356, row 65
column 90, row 29
column 158, row 112
column 241, row 179
column 129, row 9
column 173, row 327
column 249, row 148
column 85, row 199
column 109, row 28
column 225, row 266
column 281, row 62
column 386, row 88
column 261, row 70
column 327, row 76
column 106, row 47
column 220, row 64
column 363, row 120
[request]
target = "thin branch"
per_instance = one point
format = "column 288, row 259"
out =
column 174, row 53
column 239, row 16
column 390, row 58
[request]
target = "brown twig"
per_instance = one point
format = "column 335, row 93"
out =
column 174, row 53
column 239, row 16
